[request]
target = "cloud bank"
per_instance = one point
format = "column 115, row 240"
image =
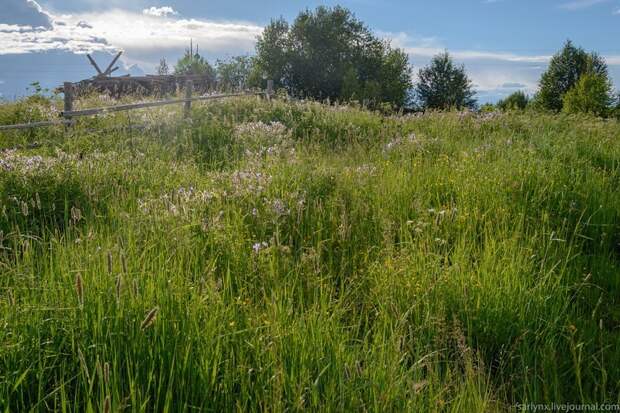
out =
column 24, row 13
column 145, row 37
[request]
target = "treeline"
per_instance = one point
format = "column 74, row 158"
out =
column 328, row 54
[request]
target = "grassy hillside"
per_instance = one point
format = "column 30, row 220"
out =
column 282, row 257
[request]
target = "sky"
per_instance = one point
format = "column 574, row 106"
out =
column 505, row 45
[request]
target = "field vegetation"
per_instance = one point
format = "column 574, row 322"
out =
column 274, row 256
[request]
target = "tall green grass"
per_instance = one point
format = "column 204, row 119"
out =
column 286, row 257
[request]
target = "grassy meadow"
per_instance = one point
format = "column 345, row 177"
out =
column 294, row 256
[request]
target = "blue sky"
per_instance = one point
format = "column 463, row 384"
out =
column 505, row 44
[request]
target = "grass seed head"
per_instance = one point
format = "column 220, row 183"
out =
column 106, row 373
column 149, row 319
column 107, row 408
column 124, row 263
column 119, row 287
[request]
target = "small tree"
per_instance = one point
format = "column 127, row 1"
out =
column 235, row 72
column 193, row 64
column 516, row 101
column 443, row 85
column 163, row 68
column 591, row 94
column 565, row 70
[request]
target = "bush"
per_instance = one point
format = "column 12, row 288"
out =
column 516, row 101
column 592, row 94
column 488, row 108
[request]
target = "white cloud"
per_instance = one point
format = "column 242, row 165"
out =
column 152, row 34
column 612, row 60
column 581, row 4
column 24, row 39
column 617, row 12
column 160, row 11
column 429, row 47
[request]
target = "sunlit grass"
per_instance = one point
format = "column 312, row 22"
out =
column 280, row 256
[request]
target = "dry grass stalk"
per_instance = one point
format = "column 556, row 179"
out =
column 119, row 287
column 84, row 365
column 124, row 263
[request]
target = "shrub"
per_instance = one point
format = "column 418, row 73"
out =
column 592, row 94
column 516, row 101
column 488, row 108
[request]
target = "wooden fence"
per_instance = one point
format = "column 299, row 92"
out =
column 68, row 114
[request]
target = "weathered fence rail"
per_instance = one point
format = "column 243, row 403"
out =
column 132, row 106
column 35, row 124
column 69, row 114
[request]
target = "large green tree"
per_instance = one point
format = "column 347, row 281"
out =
column 444, row 85
column 565, row 69
column 328, row 53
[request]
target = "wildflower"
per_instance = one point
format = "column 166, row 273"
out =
column 76, row 214
column 279, row 208
column 259, row 246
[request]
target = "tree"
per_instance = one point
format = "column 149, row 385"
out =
column 328, row 53
column 592, row 94
column 163, row 69
column 565, row 69
column 193, row 64
column 235, row 72
column 443, row 85
column 516, row 101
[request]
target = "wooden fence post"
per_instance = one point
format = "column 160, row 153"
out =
column 68, row 92
column 189, row 89
column 269, row 89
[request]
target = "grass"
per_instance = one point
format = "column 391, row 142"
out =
column 288, row 256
